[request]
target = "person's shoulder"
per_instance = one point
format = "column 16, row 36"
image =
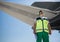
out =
column 45, row 17
column 38, row 18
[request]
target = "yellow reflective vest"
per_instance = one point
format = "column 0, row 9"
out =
column 41, row 25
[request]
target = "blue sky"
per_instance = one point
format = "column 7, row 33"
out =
column 14, row 30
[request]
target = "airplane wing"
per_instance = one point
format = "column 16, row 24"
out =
column 25, row 13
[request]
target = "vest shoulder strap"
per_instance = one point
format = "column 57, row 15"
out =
column 38, row 18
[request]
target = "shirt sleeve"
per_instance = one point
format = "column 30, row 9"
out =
column 34, row 20
column 48, row 22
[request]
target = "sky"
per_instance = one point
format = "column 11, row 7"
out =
column 15, row 30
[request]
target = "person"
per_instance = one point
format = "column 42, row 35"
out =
column 41, row 28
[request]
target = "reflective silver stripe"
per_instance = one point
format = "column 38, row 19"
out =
column 41, row 29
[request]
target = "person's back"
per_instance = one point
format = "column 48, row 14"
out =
column 42, row 28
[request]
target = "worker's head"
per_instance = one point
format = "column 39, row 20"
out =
column 41, row 13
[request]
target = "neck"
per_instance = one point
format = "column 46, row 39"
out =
column 41, row 16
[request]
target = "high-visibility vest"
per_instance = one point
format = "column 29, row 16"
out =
column 41, row 25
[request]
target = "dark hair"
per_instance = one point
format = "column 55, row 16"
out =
column 40, row 12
